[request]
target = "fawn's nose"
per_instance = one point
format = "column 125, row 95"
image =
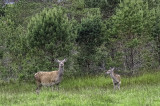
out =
column 107, row 72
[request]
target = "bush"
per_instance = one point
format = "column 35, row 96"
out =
column 90, row 36
column 51, row 31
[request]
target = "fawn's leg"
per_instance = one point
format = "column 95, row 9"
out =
column 114, row 86
column 119, row 86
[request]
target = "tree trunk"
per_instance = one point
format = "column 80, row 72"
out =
column 158, row 49
column 131, row 59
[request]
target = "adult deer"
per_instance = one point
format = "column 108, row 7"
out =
column 50, row 78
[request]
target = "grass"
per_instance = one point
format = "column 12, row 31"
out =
column 89, row 91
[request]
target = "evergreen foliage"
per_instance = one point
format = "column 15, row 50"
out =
column 90, row 37
column 92, row 34
column 130, row 25
column 155, row 32
column 51, row 32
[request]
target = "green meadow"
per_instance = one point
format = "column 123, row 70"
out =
column 141, row 90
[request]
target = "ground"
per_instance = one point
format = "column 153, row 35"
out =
column 91, row 91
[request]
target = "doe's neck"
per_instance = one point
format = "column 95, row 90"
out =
column 61, row 69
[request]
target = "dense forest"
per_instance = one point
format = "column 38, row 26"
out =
column 93, row 35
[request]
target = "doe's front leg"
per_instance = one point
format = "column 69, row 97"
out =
column 38, row 88
column 57, row 86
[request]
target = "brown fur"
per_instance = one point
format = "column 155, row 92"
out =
column 50, row 78
column 46, row 77
column 116, row 79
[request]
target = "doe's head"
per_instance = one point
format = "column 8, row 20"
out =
column 110, row 71
column 61, row 62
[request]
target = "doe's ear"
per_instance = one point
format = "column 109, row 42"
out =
column 56, row 60
column 64, row 60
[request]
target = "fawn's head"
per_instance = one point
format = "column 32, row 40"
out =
column 110, row 71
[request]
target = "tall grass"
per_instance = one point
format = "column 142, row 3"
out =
column 89, row 91
column 105, row 81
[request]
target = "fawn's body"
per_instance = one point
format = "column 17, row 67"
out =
column 116, row 79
